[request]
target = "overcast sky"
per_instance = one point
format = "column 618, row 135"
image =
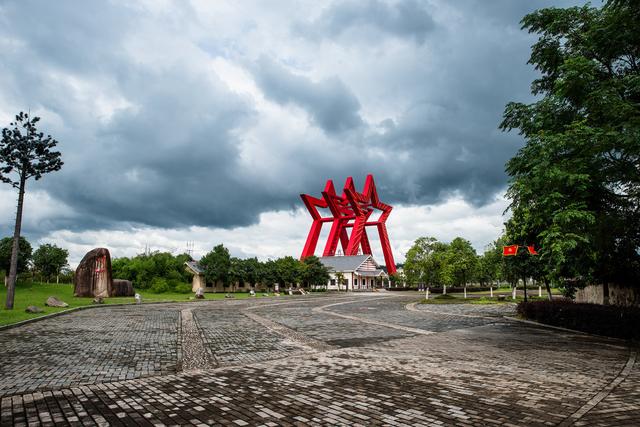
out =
column 203, row 121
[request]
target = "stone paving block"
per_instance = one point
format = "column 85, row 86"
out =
column 475, row 368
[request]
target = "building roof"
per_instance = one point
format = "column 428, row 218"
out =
column 375, row 273
column 195, row 267
column 344, row 263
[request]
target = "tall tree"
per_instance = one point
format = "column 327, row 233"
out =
column 24, row 153
column 575, row 185
column 251, row 271
column 462, row 260
column 216, row 265
column 268, row 273
column 314, row 273
column 6, row 247
column 289, row 271
column 49, row 259
column 425, row 262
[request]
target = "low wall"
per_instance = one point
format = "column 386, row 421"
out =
column 611, row 294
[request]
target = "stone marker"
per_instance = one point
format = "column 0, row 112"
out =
column 55, row 302
column 200, row 293
column 34, row 309
column 138, row 298
column 97, row 300
column 93, row 275
column 122, row 288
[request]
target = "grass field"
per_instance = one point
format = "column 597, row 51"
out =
column 37, row 293
column 459, row 299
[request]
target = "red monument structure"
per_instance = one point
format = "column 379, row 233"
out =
column 349, row 210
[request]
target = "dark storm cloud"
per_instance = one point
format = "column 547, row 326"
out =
column 151, row 135
column 329, row 102
column 405, row 19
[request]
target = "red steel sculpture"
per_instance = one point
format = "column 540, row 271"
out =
column 350, row 210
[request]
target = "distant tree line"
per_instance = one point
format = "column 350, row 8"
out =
column 48, row 263
column 156, row 271
column 220, row 267
column 433, row 263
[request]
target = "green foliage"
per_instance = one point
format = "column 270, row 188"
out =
column 49, row 260
column 575, row 185
column 269, row 273
column 398, row 279
column 288, row 270
column 433, row 263
column 159, row 285
column 314, row 273
column 24, row 254
column 612, row 321
column 251, row 270
column 217, row 265
column 26, row 152
column 143, row 269
column 182, row 288
column 340, row 280
column 462, row 260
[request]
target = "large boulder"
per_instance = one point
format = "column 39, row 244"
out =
column 55, row 302
column 122, row 288
column 93, row 275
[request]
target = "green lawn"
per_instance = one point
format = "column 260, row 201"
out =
column 459, row 299
column 507, row 290
column 37, row 293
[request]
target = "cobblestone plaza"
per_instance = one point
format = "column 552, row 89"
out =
column 355, row 359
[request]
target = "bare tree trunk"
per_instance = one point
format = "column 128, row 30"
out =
column 546, row 285
column 13, row 270
column 524, row 281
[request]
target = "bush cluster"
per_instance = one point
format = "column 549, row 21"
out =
column 450, row 289
column 158, row 271
column 607, row 320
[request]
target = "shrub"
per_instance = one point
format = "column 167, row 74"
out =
column 445, row 296
column 183, row 288
column 607, row 320
column 159, row 286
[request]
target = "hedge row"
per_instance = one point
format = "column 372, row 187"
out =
column 451, row 289
column 608, row 320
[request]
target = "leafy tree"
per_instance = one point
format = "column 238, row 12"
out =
column 398, row 278
column 426, row 261
column 236, row 272
column 24, row 153
column 268, row 273
column 251, row 271
column 340, row 280
column 6, row 247
column 288, row 271
column 490, row 264
column 575, row 185
column 216, row 265
column 49, row 259
column 462, row 260
column 144, row 269
column 313, row 272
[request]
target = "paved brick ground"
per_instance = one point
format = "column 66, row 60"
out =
column 102, row 344
column 384, row 365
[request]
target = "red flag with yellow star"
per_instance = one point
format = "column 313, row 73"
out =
column 532, row 250
column 511, row 250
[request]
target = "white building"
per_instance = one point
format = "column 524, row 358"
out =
column 360, row 272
